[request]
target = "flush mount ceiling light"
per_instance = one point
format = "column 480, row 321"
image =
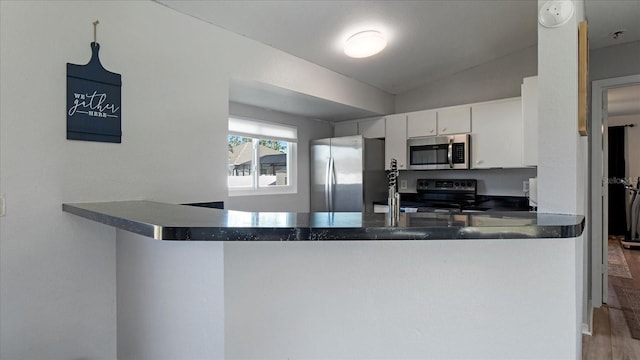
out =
column 365, row 44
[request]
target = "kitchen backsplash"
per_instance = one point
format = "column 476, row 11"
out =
column 503, row 182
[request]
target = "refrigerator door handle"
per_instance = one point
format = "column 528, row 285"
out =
column 332, row 182
column 327, row 185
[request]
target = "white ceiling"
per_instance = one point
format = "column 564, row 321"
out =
column 608, row 16
column 428, row 39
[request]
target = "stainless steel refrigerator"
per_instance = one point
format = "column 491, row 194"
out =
column 347, row 174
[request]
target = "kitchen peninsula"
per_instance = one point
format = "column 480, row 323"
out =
column 343, row 285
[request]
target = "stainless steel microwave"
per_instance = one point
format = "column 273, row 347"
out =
column 439, row 152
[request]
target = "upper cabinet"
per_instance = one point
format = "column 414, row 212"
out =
column 530, row 121
column 496, row 141
column 505, row 132
column 372, row 128
column 395, row 144
column 447, row 121
column 455, row 120
column 345, row 128
column 369, row 128
column 422, row 123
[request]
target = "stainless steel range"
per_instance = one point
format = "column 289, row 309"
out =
column 445, row 195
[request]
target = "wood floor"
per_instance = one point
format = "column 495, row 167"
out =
column 611, row 338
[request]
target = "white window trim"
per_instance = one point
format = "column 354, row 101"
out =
column 292, row 162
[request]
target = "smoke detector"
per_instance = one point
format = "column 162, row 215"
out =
column 555, row 13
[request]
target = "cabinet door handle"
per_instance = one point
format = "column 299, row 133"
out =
column 479, row 162
column 444, row 129
column 431, row 131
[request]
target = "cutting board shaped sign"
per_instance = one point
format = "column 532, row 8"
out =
column 93, row 101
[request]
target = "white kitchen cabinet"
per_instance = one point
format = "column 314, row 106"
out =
column 455, row 120
column 422, row 123
column 345, row 128
column 497, row 134
column 395, row 145
column 530, row 121
column 372, row 128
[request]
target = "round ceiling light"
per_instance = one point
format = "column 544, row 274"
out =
column 365, row 44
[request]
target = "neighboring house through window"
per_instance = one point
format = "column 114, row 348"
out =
column 261, row 157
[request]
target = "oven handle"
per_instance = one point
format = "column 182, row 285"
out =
column 450, row 153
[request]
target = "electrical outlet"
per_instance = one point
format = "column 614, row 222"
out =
column 2, row 206
column 403, row 184
column 525, row 186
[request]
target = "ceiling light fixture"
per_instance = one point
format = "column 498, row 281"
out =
column 365, row 44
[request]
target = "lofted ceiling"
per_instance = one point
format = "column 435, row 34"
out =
column 428, row 40
column 605, row 17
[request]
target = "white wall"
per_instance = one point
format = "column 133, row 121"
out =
column 502, row 182
column 170, row 299
column 58, row 272
column 308, row 129
column 497, row 79
column 438, row 299
column 562, row 152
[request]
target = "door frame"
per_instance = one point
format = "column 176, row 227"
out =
column 599, row 173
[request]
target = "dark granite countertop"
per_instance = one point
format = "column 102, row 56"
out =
column 163, row 221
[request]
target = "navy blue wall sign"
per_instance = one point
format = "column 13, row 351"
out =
column 93, row 101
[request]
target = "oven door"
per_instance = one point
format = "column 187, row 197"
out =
column 440, row 152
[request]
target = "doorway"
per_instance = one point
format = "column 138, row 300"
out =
column 599, row 154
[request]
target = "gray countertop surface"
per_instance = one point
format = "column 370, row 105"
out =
column 164, row 221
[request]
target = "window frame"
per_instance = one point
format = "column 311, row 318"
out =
column 291, row 158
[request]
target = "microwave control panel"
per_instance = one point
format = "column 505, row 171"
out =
column 458, row 153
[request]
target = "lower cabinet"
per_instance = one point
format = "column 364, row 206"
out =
column 496, row 140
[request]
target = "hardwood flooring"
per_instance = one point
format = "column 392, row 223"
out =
column 611, row 338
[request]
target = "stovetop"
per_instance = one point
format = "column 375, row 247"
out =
column 457, row 195
column 450, row 194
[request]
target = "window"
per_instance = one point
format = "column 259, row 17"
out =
column 261, row 157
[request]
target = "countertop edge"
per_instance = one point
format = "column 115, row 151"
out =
column 111, row 214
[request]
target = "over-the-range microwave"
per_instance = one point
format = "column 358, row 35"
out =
column 439, row 152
